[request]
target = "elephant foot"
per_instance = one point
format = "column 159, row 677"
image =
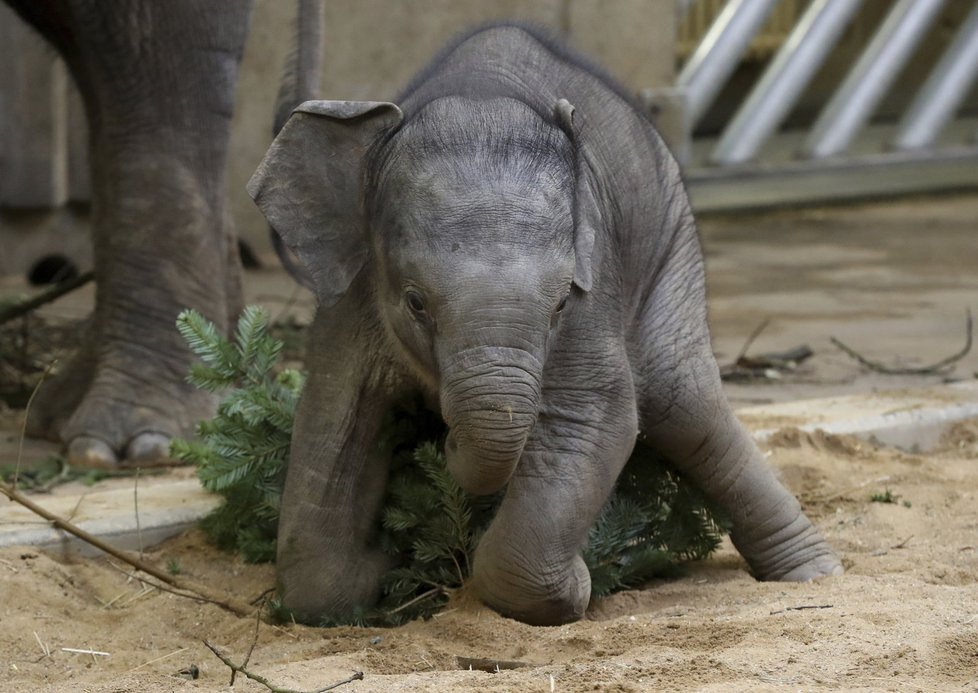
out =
column 329, row 586
column 820, row 566
column 108, row 418
column 59, row 395
column 144, row 449
column 796, row 554
column 539, row 600
column 132, row 426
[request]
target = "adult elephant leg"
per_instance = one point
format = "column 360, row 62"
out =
column 528, row 565
column 157, row 80
column 685, row 415
column 336, row 474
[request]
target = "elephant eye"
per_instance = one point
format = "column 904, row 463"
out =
column 561, row 305
column 415, row 302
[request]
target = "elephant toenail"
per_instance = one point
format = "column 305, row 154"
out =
column 148, row 448
column 91, row 453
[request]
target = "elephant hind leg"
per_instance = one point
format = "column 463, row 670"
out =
column 685, row 415
column 157, row 80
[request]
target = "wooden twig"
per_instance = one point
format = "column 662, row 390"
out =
column 750, row 339
column 135, row 504
column 235, row 606
column 27, row 412
column 938, row 368
column 803, row 607
column 186, row 593
column 44, row 648
column 254, row 641
column 492, row 666
column 766, row 366
column 75, row 650
column 46, row 296
column 433, row 592
column 357, row 675
column 839, row 494
column 158, row 659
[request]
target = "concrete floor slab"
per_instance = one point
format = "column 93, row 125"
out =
column 909, row 419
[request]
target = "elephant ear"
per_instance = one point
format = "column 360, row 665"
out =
column 587, row 214
column 308, row 186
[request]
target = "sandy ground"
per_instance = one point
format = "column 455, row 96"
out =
column 892, row 279
column 905, row 615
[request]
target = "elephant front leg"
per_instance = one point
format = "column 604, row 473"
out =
column 528, row 565
column 335, row 479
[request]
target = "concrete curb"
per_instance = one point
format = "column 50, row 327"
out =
column 909, row 419
column 165, row 509
column 912, row 420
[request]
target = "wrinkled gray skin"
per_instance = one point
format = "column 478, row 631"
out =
column 157, row 80
column 513, row 240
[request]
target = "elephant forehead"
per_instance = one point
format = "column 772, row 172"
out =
column 507, row 208
column 477, row 159
column 470, row 268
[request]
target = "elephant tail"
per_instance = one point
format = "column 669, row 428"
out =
column 300, row 83
column 300, row 79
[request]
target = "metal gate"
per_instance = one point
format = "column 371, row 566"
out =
column 752, row 161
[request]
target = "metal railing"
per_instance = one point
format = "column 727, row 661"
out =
column 831, row 160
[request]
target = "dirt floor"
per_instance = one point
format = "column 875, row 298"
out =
column 905, row 615
column 893, row 280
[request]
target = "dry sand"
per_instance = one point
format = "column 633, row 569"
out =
column 903, row 617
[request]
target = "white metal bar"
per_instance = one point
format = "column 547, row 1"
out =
column 779, row 88
column 943, row 91
column 754, row 186
column 718, row 53
column 867, row 83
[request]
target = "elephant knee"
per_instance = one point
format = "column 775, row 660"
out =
column 537, row 595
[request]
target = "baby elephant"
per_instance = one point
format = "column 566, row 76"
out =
column 513, row 240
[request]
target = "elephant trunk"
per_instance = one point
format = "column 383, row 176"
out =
column 490, row 399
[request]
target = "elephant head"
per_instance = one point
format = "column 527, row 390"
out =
column 476, row 221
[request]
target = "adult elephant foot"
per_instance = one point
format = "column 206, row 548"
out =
column 60, row 394
column 122, row 406
column 130, row 425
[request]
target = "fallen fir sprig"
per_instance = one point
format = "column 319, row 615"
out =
column 653, row 522
column 241, row 452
